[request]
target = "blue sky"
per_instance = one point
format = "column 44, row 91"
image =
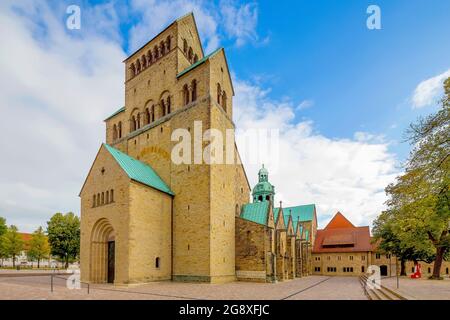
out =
column 341, row 95
column 322, row 51
column 359, row 79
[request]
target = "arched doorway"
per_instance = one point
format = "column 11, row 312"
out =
column 103, row 248
column 383, row 270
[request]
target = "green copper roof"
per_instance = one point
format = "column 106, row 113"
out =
column 299, row 213
column 276, row 211
column 294, row 225
column 199, row 62
column 263, row 188
column 116, row 113
column 256, row 212
column 138, row 170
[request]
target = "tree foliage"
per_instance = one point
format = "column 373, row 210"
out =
column 12, row 243
column 418, row 215
column 39, row 248
column 64, row 236
column 3, row 229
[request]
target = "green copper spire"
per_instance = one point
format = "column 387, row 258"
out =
column 263, row 191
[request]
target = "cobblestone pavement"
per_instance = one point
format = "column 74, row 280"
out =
column 420, row 289
column 314, row 287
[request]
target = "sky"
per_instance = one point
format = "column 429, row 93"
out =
column 340, row 95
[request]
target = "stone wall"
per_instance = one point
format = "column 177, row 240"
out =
column 116, row 214
column 150, row 234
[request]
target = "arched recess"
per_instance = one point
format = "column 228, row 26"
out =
column 164, row 104
column 102, row 255
column 135, row 120
column 148, row 112
column 185, row 94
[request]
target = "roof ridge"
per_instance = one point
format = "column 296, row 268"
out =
column 199, row 62
column 138, row 171
column 115, row 113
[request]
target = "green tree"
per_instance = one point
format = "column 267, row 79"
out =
column 3, row 229
column 64, row 236
column 39, row 248
column 12, row 243
column 390, row 238
column 419, row 199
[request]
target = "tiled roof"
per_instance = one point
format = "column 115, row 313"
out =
column 340, row 235
column 256, row 212
column 339, row 221
column 115, row 113
column 139, row 171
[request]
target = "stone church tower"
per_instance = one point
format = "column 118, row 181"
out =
column 143, row 217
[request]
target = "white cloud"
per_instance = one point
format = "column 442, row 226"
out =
column 429, row 91
column 156, row 15
column 305, row 104
column 241, row 21
column 56, row 88
column 58, row 85
column 348, row 175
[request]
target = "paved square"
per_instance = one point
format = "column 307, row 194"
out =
column 420, row 289
column 313, row 287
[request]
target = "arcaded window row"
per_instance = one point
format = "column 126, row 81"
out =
column 189, row 53
column 103, row 198
column 150, row 57
column 117, row 131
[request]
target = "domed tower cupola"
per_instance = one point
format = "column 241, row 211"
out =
column 263, row 191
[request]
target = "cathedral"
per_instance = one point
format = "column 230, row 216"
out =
column 146, row 218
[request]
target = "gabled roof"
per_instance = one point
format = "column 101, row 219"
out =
column 171, row 24
column 340, row 235
column 299, row 213
column 199, row 62
column 277, row 215
column 206, row 58
column 339, row 221
column 256, row 212
column 139, row 171
column 289, row 225
column 116, row 113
